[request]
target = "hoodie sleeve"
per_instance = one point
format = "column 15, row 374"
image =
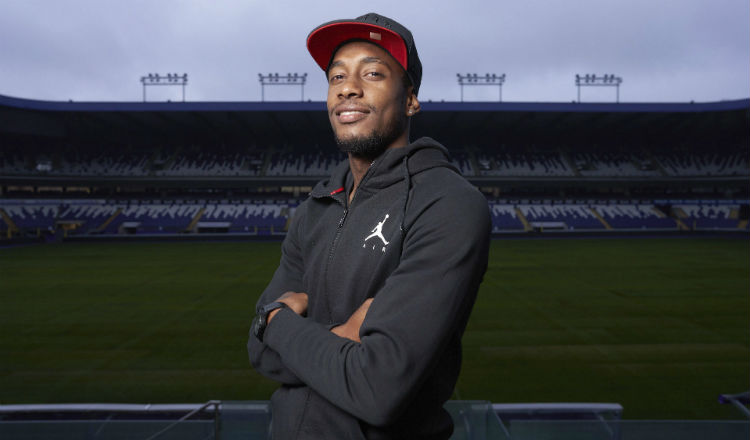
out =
column 288, row 277
column 424, row 303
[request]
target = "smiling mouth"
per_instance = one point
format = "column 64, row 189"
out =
column 351, row 116
column 350, row 113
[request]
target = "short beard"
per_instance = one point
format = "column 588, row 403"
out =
column 373, row 145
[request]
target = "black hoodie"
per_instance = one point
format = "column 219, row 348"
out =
column 415, row 237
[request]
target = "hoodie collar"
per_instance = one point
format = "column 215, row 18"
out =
column 388, row 168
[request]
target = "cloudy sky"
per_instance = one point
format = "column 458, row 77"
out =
column 97, row 50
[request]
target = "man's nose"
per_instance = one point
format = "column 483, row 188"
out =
column 351, row 88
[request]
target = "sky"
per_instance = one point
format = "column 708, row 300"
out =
column 97, row 50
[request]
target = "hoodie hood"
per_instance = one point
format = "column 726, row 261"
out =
column 393, row 166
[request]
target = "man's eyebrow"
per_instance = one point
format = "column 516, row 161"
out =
column 372, row 60
column 364, row 60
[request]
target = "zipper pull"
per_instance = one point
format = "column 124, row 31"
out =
column 341, row 222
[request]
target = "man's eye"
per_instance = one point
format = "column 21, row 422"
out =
column 373, row 74
column 336, row 78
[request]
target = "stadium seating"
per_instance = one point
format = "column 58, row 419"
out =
column 523, row 164
column 13, row 163
column 32, row 216
column 89, row 215
column 307, row 164
column 634, row 216
column 248, row 217
column 208, row 164
column 462, row 161
column 504, row 218
column 604, row 164
column 565, row 216
column 272, row 216
column 154, row 218
column 706, row 164
column 100, row 165
column 219, row 161
column 709, row 216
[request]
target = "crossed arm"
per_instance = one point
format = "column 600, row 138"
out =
column 297, row 301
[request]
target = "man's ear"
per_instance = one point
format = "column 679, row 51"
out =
column 412, row 102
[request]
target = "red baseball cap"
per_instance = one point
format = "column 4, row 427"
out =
column 325, row 39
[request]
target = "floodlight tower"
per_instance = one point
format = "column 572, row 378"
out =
column 472, row 79
column 591, row 80
column 170, row 79
column 274, row 79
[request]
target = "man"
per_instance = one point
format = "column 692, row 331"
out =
column 362, row 321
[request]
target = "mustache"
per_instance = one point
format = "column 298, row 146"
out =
column 351, row 102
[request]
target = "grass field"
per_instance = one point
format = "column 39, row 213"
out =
column 661, row 326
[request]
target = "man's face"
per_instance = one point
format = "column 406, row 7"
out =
column 367, row 100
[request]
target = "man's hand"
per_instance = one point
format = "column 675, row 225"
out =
column 350, row 329
column 296, row 301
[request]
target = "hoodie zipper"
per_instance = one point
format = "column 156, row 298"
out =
column 334, row 243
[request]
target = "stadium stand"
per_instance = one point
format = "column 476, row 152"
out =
column 85, row 169
column 154, row 218
column 102, row 164
column 560, row 216
column 708, row 216
column 32, row 216
column 705, row 164
column 634, row 216
column 205, row 164
column 303, row 164
column 505, row 218
column 523, row 164
column 149, row 217
column 614, row 165
column 88, row 216
column 220, row 161
column 463, row 162
column 13, row 162
column 262, row 217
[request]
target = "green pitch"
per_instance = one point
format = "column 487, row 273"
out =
column 658, row 325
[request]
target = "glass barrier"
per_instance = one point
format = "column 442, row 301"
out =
column 244, row 420
column 628, row 430
column 473, row 420
column 107, row 429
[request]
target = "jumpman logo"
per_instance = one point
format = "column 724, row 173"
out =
column 377, row 231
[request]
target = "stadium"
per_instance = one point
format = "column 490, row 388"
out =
column 136, row 238
column 108, row 169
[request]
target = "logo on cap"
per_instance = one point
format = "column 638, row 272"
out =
column 375, row 36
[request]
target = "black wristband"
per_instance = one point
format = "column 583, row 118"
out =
column 261, row 319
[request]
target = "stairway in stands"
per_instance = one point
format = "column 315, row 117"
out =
column 677, row 215
column 195, row 220
column 569, row 161
column 600, row 218
column 526, row 224
column 12, row 228
column 106, row 223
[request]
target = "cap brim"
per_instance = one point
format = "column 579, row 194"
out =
column 326, row 38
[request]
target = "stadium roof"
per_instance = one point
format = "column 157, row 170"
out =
column 306, row 123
